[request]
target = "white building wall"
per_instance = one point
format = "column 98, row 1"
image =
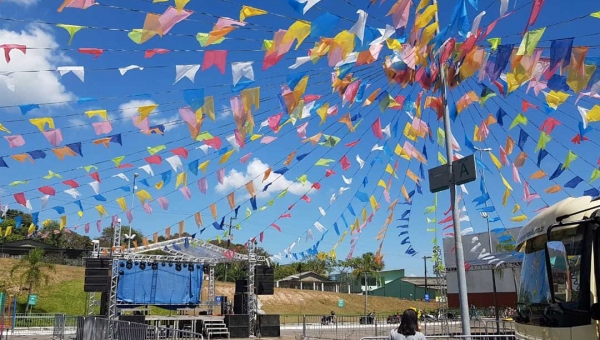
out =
column 478, row 281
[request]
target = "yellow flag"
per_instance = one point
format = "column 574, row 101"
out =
column 226, row 156
column 71, row 29
column 322, row 112
column 31, row 229
column 571, row 156
column 181, row 180
column 204, row 166
column 63, row 222
column 180, row 4
column 143, row 196
column 505, row 197
column 101, row 210
column 159, row 185
column 101, row 113
column 516, row 208
column 156, row 149
column 424, row 18
column 390, row 170
column 593, row 114
column 145, row 111
column 382, row 184
column 556, row 98
column 122, row 203
column 299, row 31
column 41, row 123
column 248, row 12
column 4, row 129
column 495, row 160
column 595, row 175
column 506, row 183
column 8, row 231
column 374, row 204
column 519, row 218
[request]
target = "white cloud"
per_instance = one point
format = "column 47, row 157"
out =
column 24, row 3
column 256, row 168
column 78, row 123
column 225, row 112
column 412, row 275
column 33, row 87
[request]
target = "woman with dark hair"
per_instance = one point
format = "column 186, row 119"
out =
column 408, row 329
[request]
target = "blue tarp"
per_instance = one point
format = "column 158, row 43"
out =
column 163, row 286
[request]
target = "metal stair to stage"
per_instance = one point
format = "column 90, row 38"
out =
column 214, row 326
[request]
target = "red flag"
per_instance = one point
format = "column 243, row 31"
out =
column 316, row 185
column 181, row 151
column 345, row 163
column 306, row 199
column 96, row 52
column 276, row 227
column 262, row 236
column 71, row 183
column 376, row 127
column 95, row 176
column 152, row 52
column 329, row 172
column 351, row 144
column 216, row 58
column 47, row 190
column 20, row 198
column 153, row 159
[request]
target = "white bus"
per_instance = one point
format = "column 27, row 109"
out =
column 558, row 293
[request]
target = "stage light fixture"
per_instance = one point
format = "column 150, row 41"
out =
column 185, row 265
column 163, row 264
column 136, row 263
column 170, row 264
column 198, row 266
column 191, row 267
column 154, row 266
column 129, row 265
column 143, row 265
column 121, row 264
column 121, row 272
column 178, row 267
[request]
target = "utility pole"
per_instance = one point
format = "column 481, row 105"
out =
column 425, row 258
column 130, row 236
column 487, row 219
column 229, row 238
column 366, row 294
column 458, row 246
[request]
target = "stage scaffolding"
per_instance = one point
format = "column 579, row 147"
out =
column 185, row 250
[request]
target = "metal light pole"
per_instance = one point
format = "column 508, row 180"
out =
column 458, row 246
column 130, row 236
column 425, row 258
column 487, row 219
column 229, row 237
column 366, row 294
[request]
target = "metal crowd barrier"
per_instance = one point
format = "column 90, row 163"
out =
column 95, row 328
column 342, row 327
column 457, row 337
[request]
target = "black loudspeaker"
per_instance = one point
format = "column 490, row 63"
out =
column 269, row 326
column 133, row 318
column 241, row 286
column 97, row 275
column 223, row 305
column 238, row 325
column 265, row 280
column 240, row 304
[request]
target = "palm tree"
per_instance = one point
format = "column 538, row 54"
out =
column 366, row 266
column 33, row 269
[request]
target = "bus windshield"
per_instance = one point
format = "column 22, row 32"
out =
column 535, row 292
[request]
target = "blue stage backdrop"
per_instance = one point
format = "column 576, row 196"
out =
column 171, row 284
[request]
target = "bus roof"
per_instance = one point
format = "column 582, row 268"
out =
column 539, row 224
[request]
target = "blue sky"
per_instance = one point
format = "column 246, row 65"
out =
column 33, row 22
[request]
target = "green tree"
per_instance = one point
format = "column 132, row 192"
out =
column 366, row 266
column 282, row 271
column 106, row 238
column 32, row 269
column 504, row 247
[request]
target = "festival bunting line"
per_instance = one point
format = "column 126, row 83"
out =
column 358, row 169
column 550, row 154
column 224, row 197
column 221, row 126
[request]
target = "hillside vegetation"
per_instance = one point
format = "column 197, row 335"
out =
column 64, row 294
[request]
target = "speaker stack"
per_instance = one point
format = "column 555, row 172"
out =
column 269, row 325
column 240, row 298
column 97, row 275
column 265, row 280
column 238, row 325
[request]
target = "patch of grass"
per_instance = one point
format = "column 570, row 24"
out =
column 64, row 294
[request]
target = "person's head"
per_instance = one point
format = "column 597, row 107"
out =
column 409, row 325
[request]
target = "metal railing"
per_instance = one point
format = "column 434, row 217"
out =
column 342, row 327
column 38, row 324
column 449, row 337
column 95, row 328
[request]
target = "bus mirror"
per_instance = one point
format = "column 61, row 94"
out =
column 595, row 311
column 559, row 271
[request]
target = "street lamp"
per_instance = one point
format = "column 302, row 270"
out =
column 487, row 219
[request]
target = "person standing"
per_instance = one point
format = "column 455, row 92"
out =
column 408, row 329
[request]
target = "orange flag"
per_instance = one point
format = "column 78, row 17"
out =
column 553, row 189
column 538, row 174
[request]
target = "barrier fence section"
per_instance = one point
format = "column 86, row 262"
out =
column 340, row 327
column 95, row 328
column 456, row 337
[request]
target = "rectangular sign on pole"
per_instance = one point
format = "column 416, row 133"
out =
column 439, row 178
column 464, row 170
column 340, row 303
column 32, row 299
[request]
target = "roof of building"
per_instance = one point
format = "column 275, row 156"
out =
column 28, row 243
column 300, row 276
column 493, row 261
column 432, row 282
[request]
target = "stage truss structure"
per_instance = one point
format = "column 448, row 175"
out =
column 183, row 249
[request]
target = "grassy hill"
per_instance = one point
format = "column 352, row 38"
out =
column 64, row 294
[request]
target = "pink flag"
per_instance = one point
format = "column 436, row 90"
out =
column 527, row 196
column 274, row 122
column 15, row 141
column 549, row 124
column 216, row 58
column 99, row 225
column 221, row 175
column 129, row 214
column 309, row 98
column 144, row 125
column 376, row 127
column 245, row 158
column 171, row 17
column 147, row 208
column 188, row 116
column 301, row 130
column 515, row 173
column 239, row 139
column 102, row 128
column 262, row 236
column 237, row 107
column 185, row 191
column 332, row 111
column 286, row 215
column 202, row 185
column 80, row 4
column 276, row 227
column 227, row 22
column 503, row 157
column 214, row 143
column 163, row 203
column 305, row 198
column 267, row 139
column 9, row 47
column 54, row 137
column 87, row 228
